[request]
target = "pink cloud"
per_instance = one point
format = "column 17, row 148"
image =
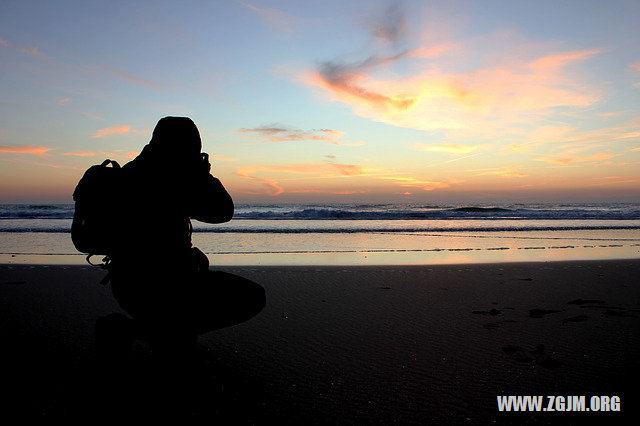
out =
column 27, row 50
column 31, row 51
column 507, row 172
column 559, row 60
column 432, row 51
column 276, row 18
column 276, row 133
column 111, row 131
column 40, row 151
column 92, row 116
column 125, row 76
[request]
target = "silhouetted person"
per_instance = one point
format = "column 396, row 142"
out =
column 157, row 276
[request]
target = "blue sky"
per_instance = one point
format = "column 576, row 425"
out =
column 349, row 101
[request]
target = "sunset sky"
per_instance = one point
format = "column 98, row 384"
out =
column 330, row 101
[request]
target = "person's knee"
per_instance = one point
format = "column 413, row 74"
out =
column 258, row 297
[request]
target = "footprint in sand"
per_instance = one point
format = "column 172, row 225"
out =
column 577, row 318
column 539, row 313
column 517, row 353
column 613, row 311
column 536, row 355
column 498, row 324
column 618, row 312
column 492, row 312
column 581, row 302
column 544, row 360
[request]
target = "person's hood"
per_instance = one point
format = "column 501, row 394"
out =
column 174, row 138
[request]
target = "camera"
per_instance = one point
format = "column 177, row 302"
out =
column 204, row 158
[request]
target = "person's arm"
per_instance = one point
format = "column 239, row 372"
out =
column 210, row 201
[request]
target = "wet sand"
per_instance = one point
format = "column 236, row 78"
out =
column 381, row 345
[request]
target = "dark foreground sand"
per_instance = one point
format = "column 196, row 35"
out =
column 381, row 345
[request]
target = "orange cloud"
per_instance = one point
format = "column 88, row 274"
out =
column 425, row 185
column 270, row 186
column 560, row 59
column 319, row 170
column 635, row 66
column 41, row 164
column 508, row 172
column 106, row 154
column 308, row 168
column 111, row 131
column 501, row 96
column 628, row 135
column 613, row 181
column 24, row 149
column 347, row 192
column 349, row 85
column 320, row 191
column 80, row 154
column 566, row 159
column 571, row 138
column 446, row 147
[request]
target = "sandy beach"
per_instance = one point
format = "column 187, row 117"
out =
column 335, row 345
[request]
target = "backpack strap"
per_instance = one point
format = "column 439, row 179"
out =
column 114, row 163
column 106, row 264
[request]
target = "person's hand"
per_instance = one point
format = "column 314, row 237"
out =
column 205, row 164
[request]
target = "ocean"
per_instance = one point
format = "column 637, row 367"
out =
column 363, row 234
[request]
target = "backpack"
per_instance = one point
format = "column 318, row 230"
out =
column 97, row 214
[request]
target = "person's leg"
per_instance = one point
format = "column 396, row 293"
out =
column 222, row 299
column 174, row 304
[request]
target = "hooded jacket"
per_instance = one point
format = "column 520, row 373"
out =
column 165, row 186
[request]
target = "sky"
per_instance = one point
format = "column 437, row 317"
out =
column 330, row 101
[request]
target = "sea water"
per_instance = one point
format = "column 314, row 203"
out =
column 357, row 234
